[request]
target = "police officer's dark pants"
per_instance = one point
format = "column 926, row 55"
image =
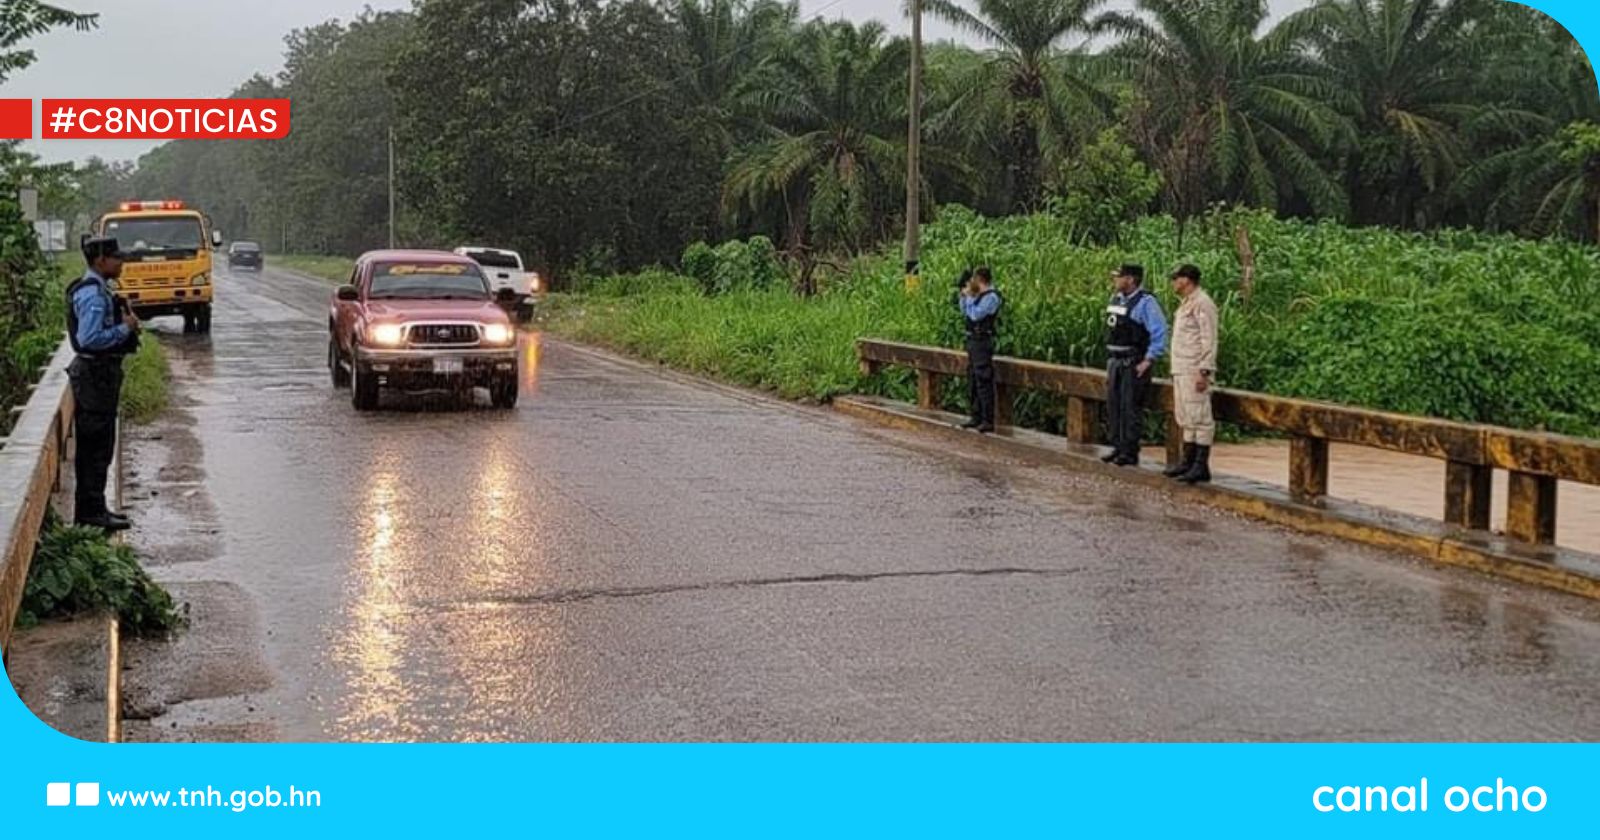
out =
column 96, row 388
column 1125, row 396
column 980, row 379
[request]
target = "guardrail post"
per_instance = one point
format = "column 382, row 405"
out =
column 927, row 389
column 1174, row 439
column 1531, row 508
column 1004, row 396
column 1308, row 468
column 1083, row 420
column 1467, row 490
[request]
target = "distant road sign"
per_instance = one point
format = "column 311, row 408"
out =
column 52, row 235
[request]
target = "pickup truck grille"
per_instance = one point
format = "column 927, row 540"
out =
column 442, row 334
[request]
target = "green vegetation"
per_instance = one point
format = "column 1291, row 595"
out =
column 77, row 570
column 30, row 295
column 750, row 119
column 144, row 386
column 1471, row 326
column 332, row 269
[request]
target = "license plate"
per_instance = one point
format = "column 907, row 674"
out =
column 447, row 366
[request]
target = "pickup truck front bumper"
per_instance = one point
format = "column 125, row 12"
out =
column 437, row 367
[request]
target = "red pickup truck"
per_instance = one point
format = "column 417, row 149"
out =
column 420, row 321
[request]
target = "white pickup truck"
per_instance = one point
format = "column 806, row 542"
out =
column 504, row 270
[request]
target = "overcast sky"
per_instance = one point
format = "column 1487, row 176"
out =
column 200, row 48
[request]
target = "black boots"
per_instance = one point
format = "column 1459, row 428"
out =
column 107, row 521
column 1183, row 464
column 1200, row 471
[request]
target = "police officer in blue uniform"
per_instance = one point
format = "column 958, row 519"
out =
column 1136, row 336
column 102, row 331
column 980, row 308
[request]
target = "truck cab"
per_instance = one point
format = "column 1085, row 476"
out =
column 505, row 270
column 168, row 267
column 420, row 321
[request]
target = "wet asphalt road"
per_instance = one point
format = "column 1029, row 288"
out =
column 632, row 556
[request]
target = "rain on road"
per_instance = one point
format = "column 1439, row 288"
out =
column 631, row 555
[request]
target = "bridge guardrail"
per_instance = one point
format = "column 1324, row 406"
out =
column 31, row 460
column 1534, row 460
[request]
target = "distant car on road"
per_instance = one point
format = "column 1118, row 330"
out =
column 421, row 321
column 244, row 254
column 505, row 270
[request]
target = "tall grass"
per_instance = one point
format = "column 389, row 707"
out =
column 1453, row 324
column 332, row 269
column 144, row 384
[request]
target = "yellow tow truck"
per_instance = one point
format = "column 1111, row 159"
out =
column 168, row 267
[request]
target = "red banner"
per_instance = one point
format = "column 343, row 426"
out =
column 16, row 119
column 164, row 119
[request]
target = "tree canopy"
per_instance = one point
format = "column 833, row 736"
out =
column 594, row 135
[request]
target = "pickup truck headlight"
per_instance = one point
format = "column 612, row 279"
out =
column 498, row 334
column 535, row 284
column 199, row 280
column 385, row 335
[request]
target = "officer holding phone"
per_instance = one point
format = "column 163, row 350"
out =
column 980, row 309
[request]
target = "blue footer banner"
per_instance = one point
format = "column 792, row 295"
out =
column 54, row 783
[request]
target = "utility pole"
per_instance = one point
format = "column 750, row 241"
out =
column 391, row 186
column 913, row 151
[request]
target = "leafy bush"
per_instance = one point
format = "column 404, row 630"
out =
column 748, row 264
column 77, row 570
column 1456, row 324
column 1102, row 188
column 699, row 262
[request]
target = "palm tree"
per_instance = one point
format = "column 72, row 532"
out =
column 831, row 160
column 1542, row 172
column 1223, row 113
column 726, row 40
column 1030, row 86
column 1409, row 69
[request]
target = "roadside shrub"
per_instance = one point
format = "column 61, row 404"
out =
column 1455, row 324
column 699, row 262
column 736, row 264
column 77, row 570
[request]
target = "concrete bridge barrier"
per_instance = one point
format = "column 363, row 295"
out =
column 1535, row 462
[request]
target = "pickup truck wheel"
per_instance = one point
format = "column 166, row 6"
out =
column 336, row 371
column 363, row 390
column 202, row 319
column 503, row 394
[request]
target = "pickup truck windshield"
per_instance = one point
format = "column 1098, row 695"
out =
column 172, row 236
column 447, row 281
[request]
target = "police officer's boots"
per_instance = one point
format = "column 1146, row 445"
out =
column 1183, row 464
column 1201, row 471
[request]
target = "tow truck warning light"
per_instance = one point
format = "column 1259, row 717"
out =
column 130, row 206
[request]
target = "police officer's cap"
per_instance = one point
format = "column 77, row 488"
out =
column 1187, row 270
column 102, row 246
column 1131, row 270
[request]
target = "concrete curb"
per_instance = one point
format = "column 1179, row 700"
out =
column 1551, row 567
column 114, row 627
